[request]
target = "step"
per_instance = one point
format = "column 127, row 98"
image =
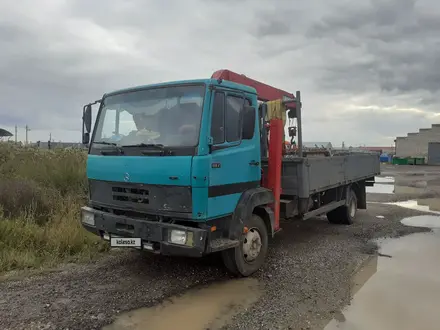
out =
column 221, row 244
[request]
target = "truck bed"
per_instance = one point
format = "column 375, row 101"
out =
column 305, row 176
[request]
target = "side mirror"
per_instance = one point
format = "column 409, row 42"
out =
column 87, row 123
column 248, row 122
column 86, row 138
column 87, row 117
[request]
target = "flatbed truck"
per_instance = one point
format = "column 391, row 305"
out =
column 194, row 167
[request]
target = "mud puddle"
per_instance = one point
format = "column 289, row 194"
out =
column 381, row 188
column 206, row 308
column 427, row 221
column 382, row 179
column 383, row 185
column 429, row 205
column 400, row 291
column 368, row 269
column 405, row 186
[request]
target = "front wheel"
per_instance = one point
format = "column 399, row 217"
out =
column 247, row 258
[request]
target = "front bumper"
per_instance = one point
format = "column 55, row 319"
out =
column 157, row 233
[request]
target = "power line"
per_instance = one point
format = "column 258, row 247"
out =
column 27, row 130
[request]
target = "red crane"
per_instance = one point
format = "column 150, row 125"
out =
column 276, row 143
column 265, row 92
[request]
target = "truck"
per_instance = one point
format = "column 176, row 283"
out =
column 195, row 167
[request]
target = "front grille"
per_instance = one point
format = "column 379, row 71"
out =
column 142, row 198
column 134, row 195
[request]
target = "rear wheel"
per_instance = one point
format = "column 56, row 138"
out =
column 334, row 216
column 248, row 257
column 344, row 214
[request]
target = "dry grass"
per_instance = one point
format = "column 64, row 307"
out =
column 41, row 193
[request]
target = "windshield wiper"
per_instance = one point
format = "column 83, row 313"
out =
column 106, row 143
column 147, row 145
column 107, row 152
column 152, row 149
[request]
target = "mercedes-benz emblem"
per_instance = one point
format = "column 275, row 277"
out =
column 126, row 177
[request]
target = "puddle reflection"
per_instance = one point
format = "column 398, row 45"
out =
column 207, row 308
column 387, row 179
column 427, row 221
column 397, row 293
column 405, row 186
column 429, row 205
column 379, row 188
column 368, row 269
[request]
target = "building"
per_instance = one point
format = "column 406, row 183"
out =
column 318, row 145
column 4, row 134
column 423, row 144
column 380, row 150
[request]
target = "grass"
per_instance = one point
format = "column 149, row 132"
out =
column 41, row 192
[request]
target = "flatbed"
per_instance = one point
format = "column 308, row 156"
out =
column 305, row 176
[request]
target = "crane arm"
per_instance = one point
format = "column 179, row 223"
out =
column 265, row 92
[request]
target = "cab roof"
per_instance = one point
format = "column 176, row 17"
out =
column 207, row 82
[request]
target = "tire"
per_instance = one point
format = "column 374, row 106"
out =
column 250, row 255
column 334, row 216
column 344, row 214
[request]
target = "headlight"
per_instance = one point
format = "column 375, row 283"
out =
column 178, row 237
column 182, row 237
column 88, row 218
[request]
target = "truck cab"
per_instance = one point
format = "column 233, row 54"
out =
column 174, row 168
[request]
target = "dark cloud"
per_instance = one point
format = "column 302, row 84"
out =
column 347, row 58
column 12, row 33
column 273, row 28
column 395, row 45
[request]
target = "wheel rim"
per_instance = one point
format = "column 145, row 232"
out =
column 252, row 245
column 352, row 208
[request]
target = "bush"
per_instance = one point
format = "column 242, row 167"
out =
column 21, row 197
column 60, row 169
column 41, row 193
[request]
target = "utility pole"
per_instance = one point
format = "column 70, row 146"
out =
column 27, row 130
column 16, row 132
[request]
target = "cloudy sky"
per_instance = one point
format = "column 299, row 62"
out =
column 368, row 70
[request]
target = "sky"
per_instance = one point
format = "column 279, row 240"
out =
column 368, row 71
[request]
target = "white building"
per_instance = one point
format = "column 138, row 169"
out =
column 423, row 144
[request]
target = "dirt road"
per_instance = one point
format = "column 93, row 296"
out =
column 307, row 279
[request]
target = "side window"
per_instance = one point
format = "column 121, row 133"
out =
column 218, row 119
column 248, row 103
column 233, row 127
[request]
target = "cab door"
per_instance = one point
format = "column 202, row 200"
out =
column 235, row 162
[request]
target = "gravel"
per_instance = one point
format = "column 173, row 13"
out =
column 310, row 267
column 89, row 296
column 305, row 281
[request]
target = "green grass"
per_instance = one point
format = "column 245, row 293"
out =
column 41, row 193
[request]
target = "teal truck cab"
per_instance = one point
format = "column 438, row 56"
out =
column 186, row 168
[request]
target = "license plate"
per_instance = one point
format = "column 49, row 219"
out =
column 125, row 242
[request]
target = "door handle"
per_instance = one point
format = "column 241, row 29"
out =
column 254, row 163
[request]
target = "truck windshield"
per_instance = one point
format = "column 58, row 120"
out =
column 165, row 116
